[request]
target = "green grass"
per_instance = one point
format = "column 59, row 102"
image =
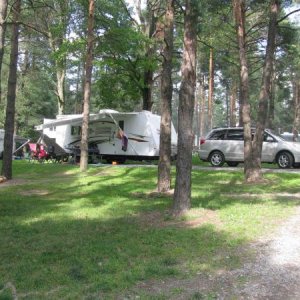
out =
column 66, row 235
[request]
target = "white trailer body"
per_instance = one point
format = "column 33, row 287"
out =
column 117, row 135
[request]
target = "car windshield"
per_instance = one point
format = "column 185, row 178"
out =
column 279, row 138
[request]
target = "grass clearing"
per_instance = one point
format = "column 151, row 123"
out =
column 70, row 235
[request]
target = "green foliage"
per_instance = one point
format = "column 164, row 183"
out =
column 120, row 57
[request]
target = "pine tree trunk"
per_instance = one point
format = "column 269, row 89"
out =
column 271, row 110
column 233, row 94
column 164, row 165
column 149, row 29
column 240, row 100
column 56, row 41
column 227, row 102
column 296, row 96
column 3, row 13
column 211, row 89
column 202, row 105
column 239, row 14
column 87, row 89
column 60, row 89
column 182, row 194
column 147, row 89
column 11, row 95
column 264, row 96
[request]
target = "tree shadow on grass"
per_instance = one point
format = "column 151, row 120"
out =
column 215, row 192
column 86, row 256
column 86, row 236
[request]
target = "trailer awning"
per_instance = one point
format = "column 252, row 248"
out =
column 77, row 119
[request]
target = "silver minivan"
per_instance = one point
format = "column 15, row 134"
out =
column 227, row 145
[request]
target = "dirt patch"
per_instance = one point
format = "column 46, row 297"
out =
column 153, row 194
column 195, row 218
column 13, row 182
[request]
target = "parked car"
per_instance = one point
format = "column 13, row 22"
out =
column 289, row 136
column 227, row 145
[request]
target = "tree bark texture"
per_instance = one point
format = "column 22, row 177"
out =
column 56, row 39
column 147, row 87
column 3, row 13
column 149, row 30
column 232, row 104
column 264, row 96
column 211, row 89
column 60, row 88
column 87, row 89
column 239, row 15
column 164, row 165
column 296, row 96
column 11, row 95
column 182, row 194
column 271, row 110
column 202, row 105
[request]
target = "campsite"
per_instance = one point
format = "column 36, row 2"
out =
column 138, row 142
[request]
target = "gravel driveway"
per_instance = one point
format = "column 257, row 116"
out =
column 273, row 274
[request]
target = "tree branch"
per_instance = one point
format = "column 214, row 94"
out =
column 286, row 16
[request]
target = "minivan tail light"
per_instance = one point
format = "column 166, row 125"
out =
column 202, row 141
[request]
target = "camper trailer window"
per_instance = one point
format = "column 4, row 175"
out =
column 121, row 124
column 75, row 130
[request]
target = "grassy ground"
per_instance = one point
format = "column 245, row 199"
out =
column 65, row 235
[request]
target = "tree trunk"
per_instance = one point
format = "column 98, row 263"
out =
column 264, row 96
column 211, row 90
column 11, row 95
column 147, row 88
column 164, row 165
column 87, row 89
column 3, row 13
column 149, row 30
column 296, row 96
column 202, row 105
column 271, row 110
column 60, row 88
column 182, row 194
column 56, row 33
column 239, row 14
column 79, row 88
column 240, row 99
column 227, row 101
column 233, row 97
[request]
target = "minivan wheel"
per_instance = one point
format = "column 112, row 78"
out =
column 285, row 160
column 216, row 159
column 232, row 163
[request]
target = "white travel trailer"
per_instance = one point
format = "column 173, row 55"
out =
column 19, row 142
column 117, row 136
